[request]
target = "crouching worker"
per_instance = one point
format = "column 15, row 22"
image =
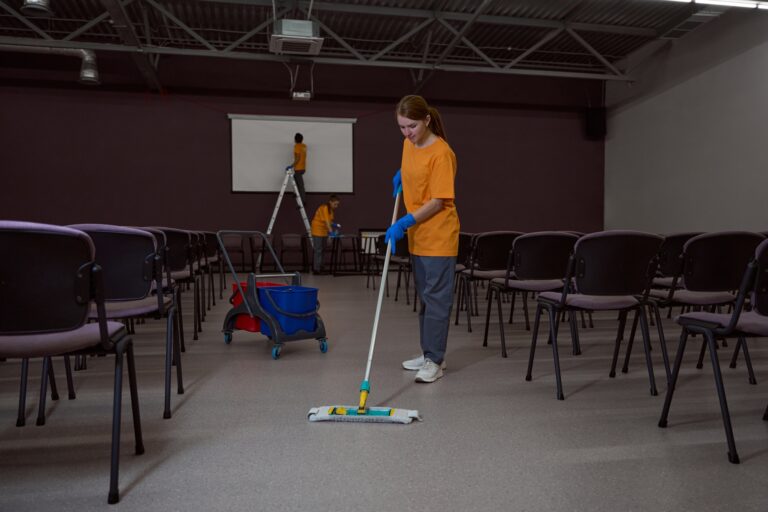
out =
column 323, row 225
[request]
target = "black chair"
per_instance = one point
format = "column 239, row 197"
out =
column 671, row 261
column 235, row 246
column 488, row 260
column 181, row 261
column 130, row 264
column 710, row 273
column 48, row 285
column 260, row 256
column 296, row 245
column 740, row 324
column 537, row 263
column 611, row 271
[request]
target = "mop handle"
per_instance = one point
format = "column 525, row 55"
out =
column 381, row 293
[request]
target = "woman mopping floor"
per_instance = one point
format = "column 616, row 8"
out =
column 426, row 178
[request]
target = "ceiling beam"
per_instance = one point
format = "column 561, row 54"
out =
column 594, row 52
column 13, row 12
column 402, row 38
column 455, row 16
column 168, row 14
column 468, row 43
column 264, row 57
column 544, row 40
column 125, row 30
column 464, row 29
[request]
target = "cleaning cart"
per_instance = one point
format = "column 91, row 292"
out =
column 281, row 312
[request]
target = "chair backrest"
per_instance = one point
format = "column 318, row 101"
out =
column 128, row 258
column 542, row 255
column 671, row 252
column 45, row 278
column 614, row 262
column 760, row 295
column 179, row 246
column 715, row 262
column 490, row 250
column 465, row 248
column 233, row 242
column 211, row 244
column 291, row 241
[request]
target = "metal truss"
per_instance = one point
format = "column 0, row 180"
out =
column 430, row 40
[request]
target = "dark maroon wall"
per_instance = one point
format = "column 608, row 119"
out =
column 90, row 155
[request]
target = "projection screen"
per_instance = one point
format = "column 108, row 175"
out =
column 262, row 147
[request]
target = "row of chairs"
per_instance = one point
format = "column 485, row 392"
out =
column 76, row 291
column 617, row 271
column 293, row 250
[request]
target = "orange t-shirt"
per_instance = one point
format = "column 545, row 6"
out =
column 429, row 173
column 323, row 216
column 301, row 150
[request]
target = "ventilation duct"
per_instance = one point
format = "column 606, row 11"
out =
column 298, row 37
column 40, row 8
column 89, row 73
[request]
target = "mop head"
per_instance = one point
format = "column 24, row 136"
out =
column 372, row 414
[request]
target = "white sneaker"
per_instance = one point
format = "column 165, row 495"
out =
column 430, row 372
column 417, row 363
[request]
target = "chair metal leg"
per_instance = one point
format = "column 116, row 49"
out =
column 114, row 494
column 137, row 436
column 468, row 300
column 631, row 342
column 534, row 337
column 583, row 322
column 647, row 345
column 43, row 391
column 735, row 355
column 574, row 333
column 673, row 379
column 52, row 380
column 748, row 360
column 662, row 340
column 617, row 343
column 512, row 307
column 553, row 328
column 22, row 414
column 525, row 311
column 70, row 382
column 733, row 456
column 501, row 320
column 700, row 363
column 169, row 334
column 177, row 303
column 177, row 361
column 459, row 297
column 488, row 315
column 591, row 323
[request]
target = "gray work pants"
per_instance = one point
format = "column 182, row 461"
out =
column 434, row 283
column 319, row 244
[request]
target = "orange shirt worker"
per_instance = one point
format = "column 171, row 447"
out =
column 322, row 226
column 428, row 171
column 300, row 165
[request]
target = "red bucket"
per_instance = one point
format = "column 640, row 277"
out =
column 245, row 322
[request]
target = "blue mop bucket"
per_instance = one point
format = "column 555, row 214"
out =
column 294, row 308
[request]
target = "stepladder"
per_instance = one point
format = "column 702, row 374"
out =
column 289, row 178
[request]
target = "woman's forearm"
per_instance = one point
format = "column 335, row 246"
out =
column 428, row 210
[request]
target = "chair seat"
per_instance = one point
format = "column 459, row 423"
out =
column 664, row 282
column 130, row 308
column 52, row 344
column 696, row 298
column 749, row 323
column 529, row 285
column 484, row 274
column 592, row 302
column 178, row 275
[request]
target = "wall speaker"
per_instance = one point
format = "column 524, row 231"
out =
column 594, row 123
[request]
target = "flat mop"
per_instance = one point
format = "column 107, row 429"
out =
column 361, row 413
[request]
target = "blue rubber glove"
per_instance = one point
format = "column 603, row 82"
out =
column 289, row 167
column 397, row 184
column 397, row 230
column 336, row 226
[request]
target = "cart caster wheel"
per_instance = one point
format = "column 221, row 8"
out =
column 323, row 345
column 227, row 338
column 276, row 352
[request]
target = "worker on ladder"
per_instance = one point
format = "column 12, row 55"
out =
column 300, row 165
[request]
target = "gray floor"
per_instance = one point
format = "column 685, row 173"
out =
column 239, row 438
